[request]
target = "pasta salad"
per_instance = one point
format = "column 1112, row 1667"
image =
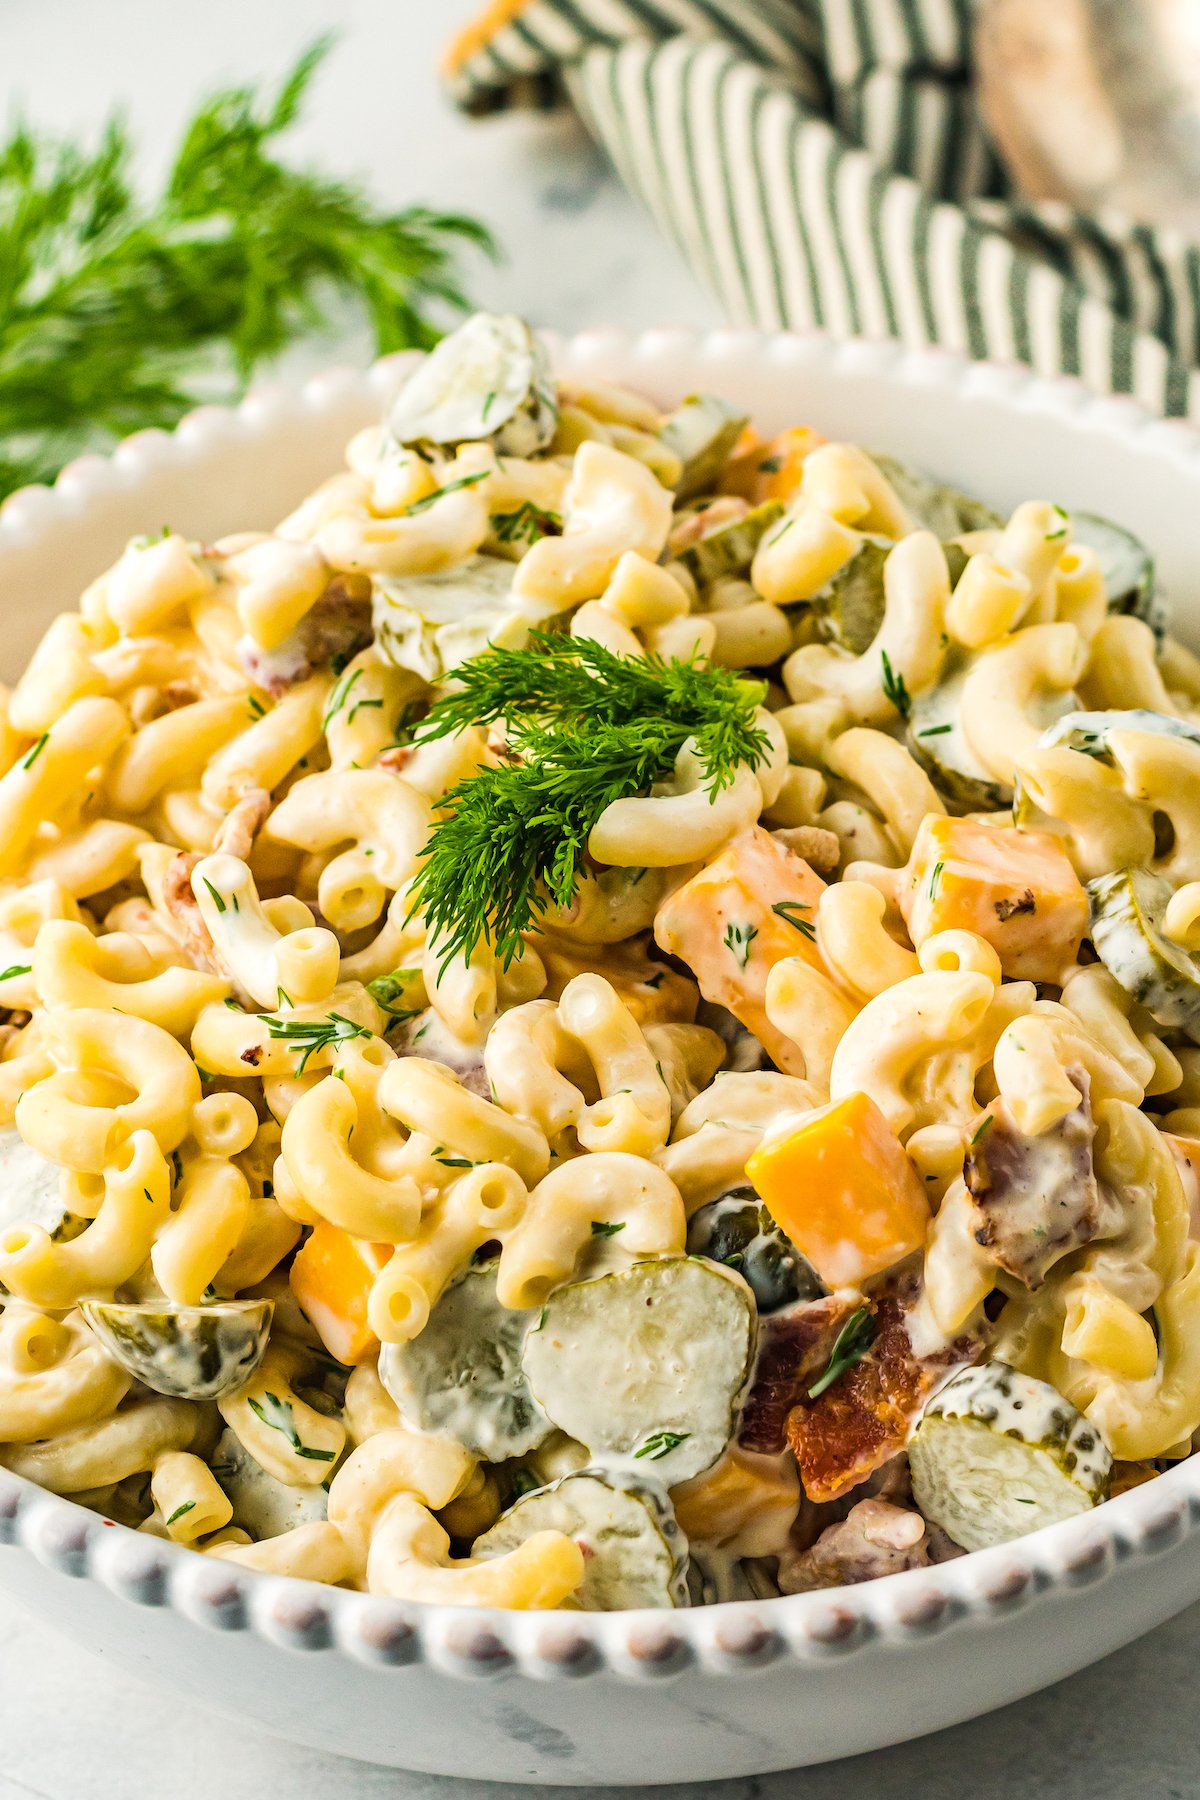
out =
column 607, row 1016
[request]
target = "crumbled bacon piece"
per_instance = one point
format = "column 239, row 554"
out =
column 794, row 1346
column 396, row 757
column 693, row 526
column 179, row 693
column 338, row 625
column 180, row 903
column 819, row 848
column 239, row 828
column 428, row 1036
column 865, row 1416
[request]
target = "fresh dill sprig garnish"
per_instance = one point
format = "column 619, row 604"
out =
column 584, row 727
column 307, row 1036
column 117, row 314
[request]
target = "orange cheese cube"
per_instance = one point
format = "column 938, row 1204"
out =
column 332, row 1276
column 745, row 911
column 841, row 1186
column 770, row 471
column 1015, row 888
column 745, row 1498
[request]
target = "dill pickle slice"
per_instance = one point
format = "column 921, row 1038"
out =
column 488, row 382
column 946, row 511
column 702, row 432
column 188, row 1352
column 996, row 1454
column 635, row 1552
column 462, row 1377
column 1127, row 910
column 262, row 1505
column 938, row 742
column 646, row 1365
column 737, row 1230
column 729, row 550
column 851, row 603
column 1090, row 732
column 1126, row 565
column 431, row 623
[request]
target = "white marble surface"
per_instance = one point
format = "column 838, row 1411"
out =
column 73, row 1729
column 579, row 252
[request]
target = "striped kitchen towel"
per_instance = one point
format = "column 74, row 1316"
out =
column 822, row 163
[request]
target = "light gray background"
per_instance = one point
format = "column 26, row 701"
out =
column 579, row 253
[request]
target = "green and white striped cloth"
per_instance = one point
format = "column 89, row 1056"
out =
column 822, row 163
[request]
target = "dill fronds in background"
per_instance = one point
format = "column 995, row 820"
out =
column 116, row 315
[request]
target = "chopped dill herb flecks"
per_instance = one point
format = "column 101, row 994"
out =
column 584, row 727
column 342, row 690
column 16, row 969
column 526, row 524
column 738, row 939
column 187, row 1507
column 306, row 1036
column 605, row 1228
column 850, row 1346
column 450, row 487
column 660, row 1444
column 935, row 880
column 449, row 1161
column 279, row 1416
column 894, row 688
column 788, row 910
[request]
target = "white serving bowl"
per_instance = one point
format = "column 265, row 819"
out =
column 640, row 1697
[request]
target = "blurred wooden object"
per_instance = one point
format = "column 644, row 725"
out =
column 1097, row 102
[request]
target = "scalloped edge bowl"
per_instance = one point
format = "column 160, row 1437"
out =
column 639, row 1697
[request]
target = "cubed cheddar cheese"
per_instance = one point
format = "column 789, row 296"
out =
column 732, row 922
column 770, row 471
column 332, row 1277
column 744, row 1500
column 839, row 1183
column 1015, row 888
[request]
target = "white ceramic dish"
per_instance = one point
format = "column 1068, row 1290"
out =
column 635, row 1697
